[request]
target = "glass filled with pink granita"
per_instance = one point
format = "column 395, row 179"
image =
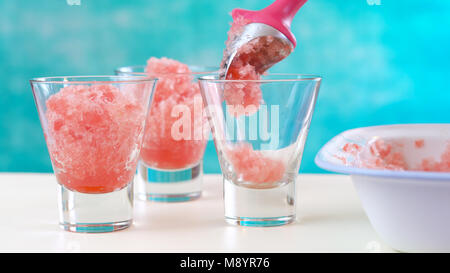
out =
column 170, row 167
column 94, row 127
column 259, row 129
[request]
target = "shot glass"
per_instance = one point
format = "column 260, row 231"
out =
column 170, row 168
column 259, row 129
column 94, row 128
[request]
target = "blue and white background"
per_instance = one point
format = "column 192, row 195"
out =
column 382, row 61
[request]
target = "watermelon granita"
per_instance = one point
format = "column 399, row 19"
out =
column 384, row 155
column 93, row 137
column 254, row 166
column 250, row 63
column 442, row 165
column 244, row 97
column 163, row 147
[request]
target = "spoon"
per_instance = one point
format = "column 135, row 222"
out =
column 272, row 21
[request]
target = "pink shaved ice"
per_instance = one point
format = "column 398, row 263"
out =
column 250, row 63
column 175, row 87
column 236, row 28
column 431, row 165
column 244, row 98
column 386, row 156
column 419, row 143
column 93, row 137
column 254, row 166
column 351, row 148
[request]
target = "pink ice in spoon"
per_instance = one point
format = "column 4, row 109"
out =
column 249, row 63
column 171, row 142
column 93, row 137
column 245, row 97
column 254, row 166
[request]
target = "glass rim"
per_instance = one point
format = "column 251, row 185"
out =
column 300, row 77
column 86, row 79
column 208, row 70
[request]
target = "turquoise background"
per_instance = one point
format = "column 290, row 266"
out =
column 381, row 64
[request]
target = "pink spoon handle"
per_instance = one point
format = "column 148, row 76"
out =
column 284, row 10
column 278, row 15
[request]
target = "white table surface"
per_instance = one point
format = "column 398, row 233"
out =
column 330, row 219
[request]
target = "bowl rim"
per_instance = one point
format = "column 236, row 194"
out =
column 203, row 70
column 407, row 174
column 92, row 79
column 286, row 77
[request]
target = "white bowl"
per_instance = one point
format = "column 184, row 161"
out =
column 410, row 210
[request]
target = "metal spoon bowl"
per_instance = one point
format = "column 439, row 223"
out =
column 249, row 33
